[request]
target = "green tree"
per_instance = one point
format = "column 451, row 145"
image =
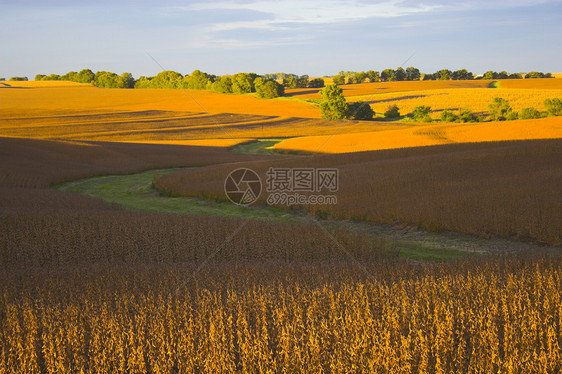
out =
column 86, row 76
column 126, row 80
column 360, row 110
column 268, row 89
column 392, row 111
column 553, row 106
column 222, row 84
column 242, row 83
column 198, row 80
column 444, row 74
column 373, row 76
column 412, row 74
column 530, row 113
column 503, row 75
column 144, row 82
column 13, row 79
column 316, row 83
column 449, row 116
column 302, row 81
column 71, row 76
column 534, row 74
column 339, row 79
column 421, row 113
column 491, row 75
column 466, row 115
column 512, row 116
column 39, row 77
column 499, row 109
column 388, row 75
column 462, row 74
column 166, row 79
column 400, row 74
column 290, row 81
column 333, row 104
column 106, row 79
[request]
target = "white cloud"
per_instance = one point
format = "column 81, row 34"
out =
column 312, row 11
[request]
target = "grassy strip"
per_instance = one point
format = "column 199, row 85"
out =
column 136, row 192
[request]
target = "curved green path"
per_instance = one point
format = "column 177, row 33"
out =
column 136, row 192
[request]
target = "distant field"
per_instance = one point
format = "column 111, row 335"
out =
column 475, row 99
column 509, row 189
column 49, row 101
column 41, row 84
column 425, row 134
column 46, row 110
column 388, row 87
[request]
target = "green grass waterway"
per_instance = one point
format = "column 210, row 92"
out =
column 135, row 192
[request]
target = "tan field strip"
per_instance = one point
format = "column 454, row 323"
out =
column 421, row 135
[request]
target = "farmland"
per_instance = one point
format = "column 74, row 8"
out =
column 119, row 252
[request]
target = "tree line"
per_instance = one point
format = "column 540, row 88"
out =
column 411, row 74
column 268, row 85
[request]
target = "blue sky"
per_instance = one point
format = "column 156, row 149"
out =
column 303, row 37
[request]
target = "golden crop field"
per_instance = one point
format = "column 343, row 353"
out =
column 83, row 112
column 377, row 88
column 425, row 134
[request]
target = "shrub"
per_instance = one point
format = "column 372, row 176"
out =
column 392, row 111
column 499, row 109
column 466, row 115
column 360, row 110
column 18, row 78
column 512, row 116
column 530, row 113
column 449, row 116
column 421, row 113
column 553, row 106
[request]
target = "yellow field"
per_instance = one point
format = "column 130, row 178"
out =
column 84, row 98
column 388, row 87
column 67, row 110
column 35, row 84
column 422, row 135
column 475, row 99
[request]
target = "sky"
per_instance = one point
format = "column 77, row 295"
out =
column 294, row 36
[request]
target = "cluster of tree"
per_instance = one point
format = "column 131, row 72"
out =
column 421, row 114
column 334, row 105
column 400, row 74
column 446, row 74
column 103, row 79
column 301, row 81
column 240, row 83
column 411, row 73
column 13, row 79
column 500, row 110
